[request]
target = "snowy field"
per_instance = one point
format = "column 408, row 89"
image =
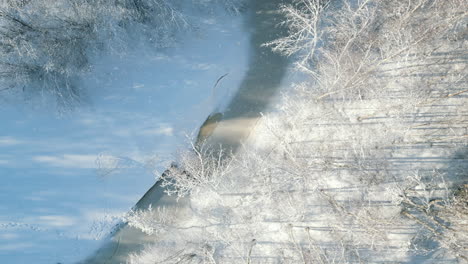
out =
column 68, row 178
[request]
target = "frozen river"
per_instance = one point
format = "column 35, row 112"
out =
column 68, row 179
column 260, row 84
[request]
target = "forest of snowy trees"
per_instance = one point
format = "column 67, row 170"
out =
column 364, row 161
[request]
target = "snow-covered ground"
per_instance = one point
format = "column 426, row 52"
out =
column 67, row 179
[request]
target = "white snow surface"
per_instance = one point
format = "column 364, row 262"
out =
column 68, row 179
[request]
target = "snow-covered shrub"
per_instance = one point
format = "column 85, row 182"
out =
column 151, row 221
column 201, row 166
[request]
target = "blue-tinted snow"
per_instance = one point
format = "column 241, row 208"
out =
column 67, row 178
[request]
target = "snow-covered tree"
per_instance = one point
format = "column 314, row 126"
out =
column 46, row 45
